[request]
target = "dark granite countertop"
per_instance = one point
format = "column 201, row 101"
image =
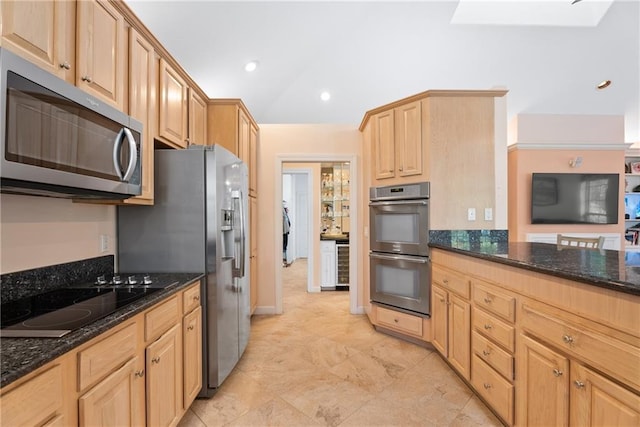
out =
column 617, row 270
column 339, row 238
column 20, row 356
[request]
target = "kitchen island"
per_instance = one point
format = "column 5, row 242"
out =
column 544, row 336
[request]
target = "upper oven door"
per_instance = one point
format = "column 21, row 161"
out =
column 400, row 226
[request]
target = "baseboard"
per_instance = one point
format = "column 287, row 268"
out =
column 265, row 310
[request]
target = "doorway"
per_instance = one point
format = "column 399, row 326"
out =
column 313, row 232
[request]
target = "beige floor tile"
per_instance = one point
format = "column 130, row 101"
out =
column 318, row 365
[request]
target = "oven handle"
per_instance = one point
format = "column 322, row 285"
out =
column 400, row 202
column 418, row 260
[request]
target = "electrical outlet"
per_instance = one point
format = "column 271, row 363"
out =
column 471, row 214
column 488, row 214
column 104, row 243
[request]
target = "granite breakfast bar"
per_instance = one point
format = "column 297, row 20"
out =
column 544, row 336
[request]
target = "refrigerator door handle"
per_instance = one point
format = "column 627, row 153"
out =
column 240, row 263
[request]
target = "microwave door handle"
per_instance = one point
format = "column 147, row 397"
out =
column 417, row 260
column 117, row 143
column 399, row 202
column 133, row 154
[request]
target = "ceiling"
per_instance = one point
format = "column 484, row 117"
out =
column 549, row 54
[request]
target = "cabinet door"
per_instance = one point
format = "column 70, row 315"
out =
column 383, row 146
column 244, row 137
column 408, row 139
column 101, row 51
column 197, row 119
column 112, row 402
column 543, row 385
column 597, row 401
column 328, row 263
column 173, row 107
column 164, row 379
column 192, row 361
column 43, row 31
column 253, row 162
column 253, row 255
column 459, row 334
column 143, row 70
column 439, row 316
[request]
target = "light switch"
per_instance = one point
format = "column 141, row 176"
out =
column 488, row 214
column 471, row 214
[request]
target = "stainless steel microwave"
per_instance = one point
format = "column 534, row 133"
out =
column 59, row 141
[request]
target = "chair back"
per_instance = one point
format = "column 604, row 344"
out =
column 580, row 242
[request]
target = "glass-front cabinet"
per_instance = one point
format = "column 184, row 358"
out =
column 334, row 193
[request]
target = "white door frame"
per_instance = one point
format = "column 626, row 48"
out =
column 309, row 173
column 354, row 226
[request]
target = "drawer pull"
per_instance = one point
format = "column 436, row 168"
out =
column 190, row 328
column 396, row 319
column 155, row 360
column 445, row 281
column 196, row 298
column 487, row 386
column 488, row 326
column 87, row 79
column 487, row 300
column 568, row 339
column 140, row 373
column 486, row 352
column 65, row 65
column 441, row 299
column 578, row 384
column 557, row 372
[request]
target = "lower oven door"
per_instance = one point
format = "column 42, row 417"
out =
column 401, row 281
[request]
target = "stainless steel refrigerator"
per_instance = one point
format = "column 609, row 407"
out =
column 198, row 223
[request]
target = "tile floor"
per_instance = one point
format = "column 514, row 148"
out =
column 318, row 365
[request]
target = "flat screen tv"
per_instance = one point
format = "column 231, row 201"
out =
column 574, row 198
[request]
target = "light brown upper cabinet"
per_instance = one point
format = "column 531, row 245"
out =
column 197, row 119
column 43, row 32
column 143, row 76
column 101, row 51
column 383, row 145
column 173, row 124
column 230, row 125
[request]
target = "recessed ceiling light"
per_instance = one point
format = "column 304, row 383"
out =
column 251, row 66
column 604, row 84
column 325, row 96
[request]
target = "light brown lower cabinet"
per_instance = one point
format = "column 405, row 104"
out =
column 145, row 371
column 164, row 379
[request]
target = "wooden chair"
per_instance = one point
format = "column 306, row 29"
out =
column 580, row 242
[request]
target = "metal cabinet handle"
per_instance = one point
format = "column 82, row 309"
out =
column 557, row 372
column 155, row 359
column 87, row 79
column 400, row 169
column 568, row 339
column 441, row 299
column 140, row 373
column 487, row 300
column 578, row 384
column 486, row 352
column 190, row 328
column 487, row 386
column 445, row 281
column 65, row 65
column 488, row 326
column 396, row 320
column 196, row 298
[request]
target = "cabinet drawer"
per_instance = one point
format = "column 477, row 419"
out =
column 161, row 318
column 401, row 322
column 488, row 351
column 490, row 326
column 102, row 358
column 604, row 352
column 34, row 402
column 497, row 391
column 191, row 298
column 451, row 280
column 497, row 303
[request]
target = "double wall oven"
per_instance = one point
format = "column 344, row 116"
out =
column 399, row 255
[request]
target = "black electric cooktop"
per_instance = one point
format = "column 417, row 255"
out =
column 55, row 313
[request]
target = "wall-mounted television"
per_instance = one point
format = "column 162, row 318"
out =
column 574, row 198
